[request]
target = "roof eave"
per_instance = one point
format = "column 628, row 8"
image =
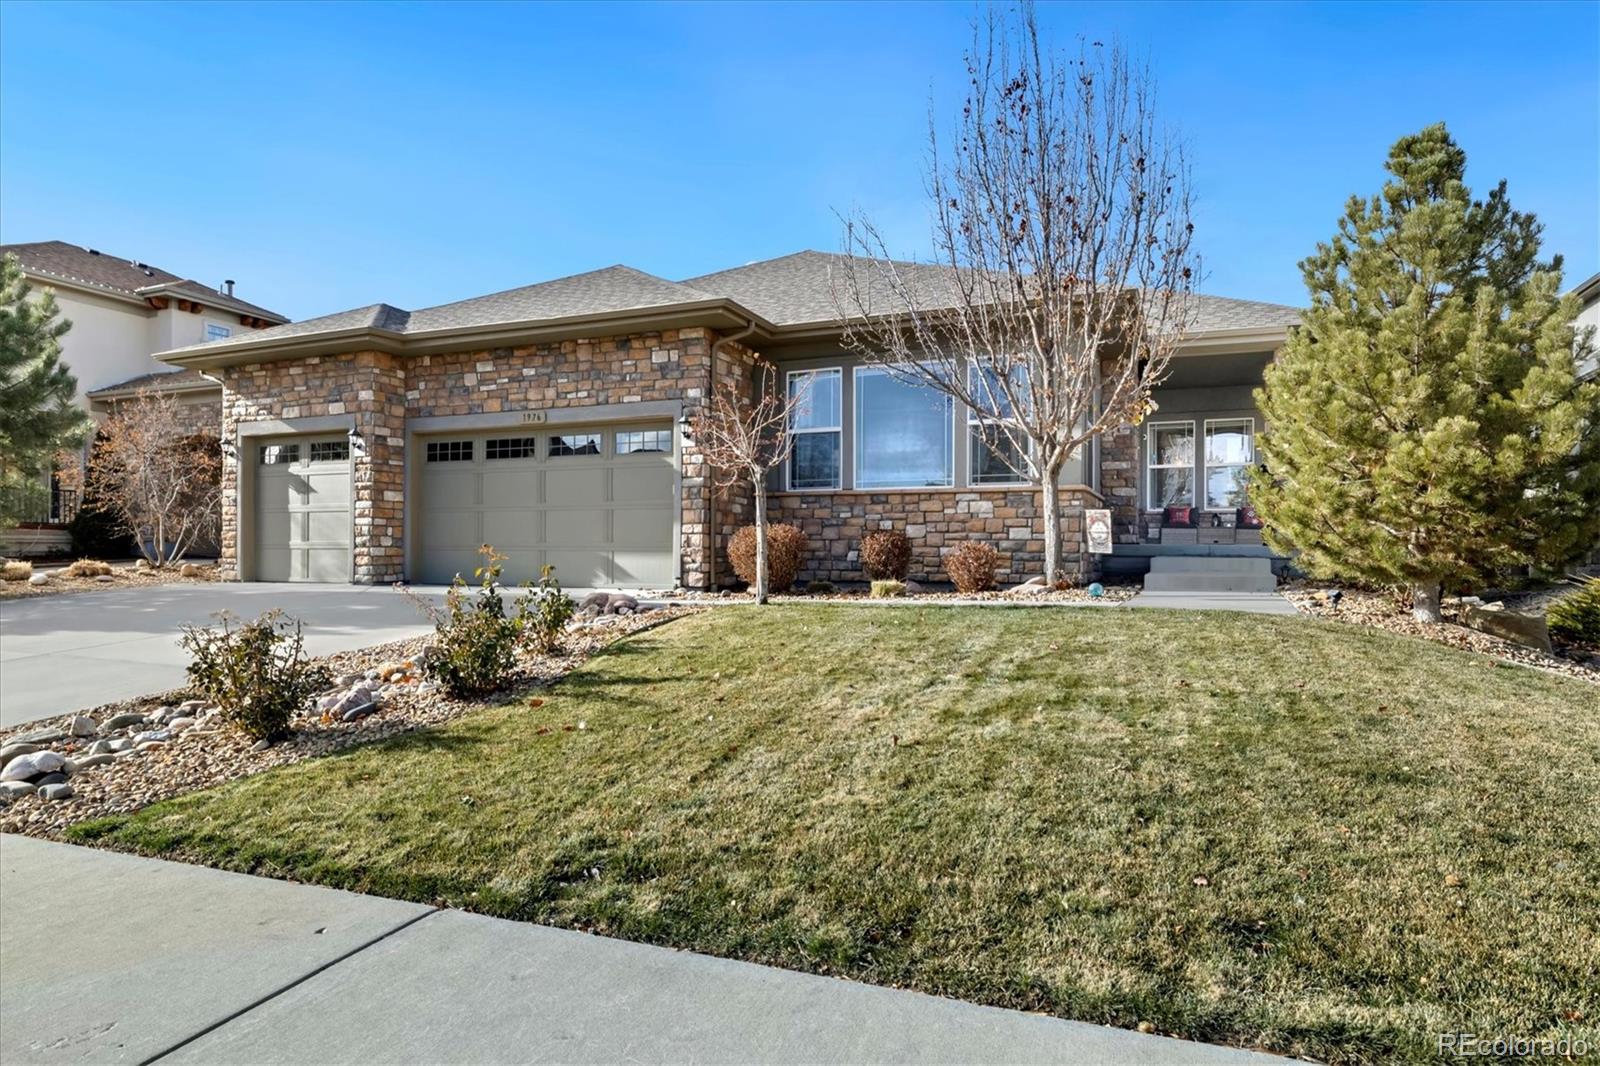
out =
column 114, row 392
column 1219, row 341
column 711, row 313
column 62, row 281
column 220, row 300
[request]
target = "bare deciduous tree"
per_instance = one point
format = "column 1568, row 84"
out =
column 1063, row 270
column 743, row 437
column 161, row 481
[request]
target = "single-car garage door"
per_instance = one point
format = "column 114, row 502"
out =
column 302, row 509
column 597, row 503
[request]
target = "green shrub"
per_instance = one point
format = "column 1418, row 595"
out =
column 786, row 548
column 819, row 588
column 1576, row 616
column 97, row 533
column 971, row 566
column 547, row 615
column 257, row 672
column 886, row 590
column 885, row 553
column 476, row 649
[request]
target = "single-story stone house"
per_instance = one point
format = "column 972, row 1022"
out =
column 552, row 421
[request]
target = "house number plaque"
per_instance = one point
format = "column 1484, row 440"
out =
column 530, row 417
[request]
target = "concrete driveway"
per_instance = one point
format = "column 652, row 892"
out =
column 78, row 650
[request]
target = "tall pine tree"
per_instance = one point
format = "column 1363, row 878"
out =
column 37, row 415
column 1426, row 426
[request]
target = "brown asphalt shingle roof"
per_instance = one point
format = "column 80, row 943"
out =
column 100, row 270
column 158, row 381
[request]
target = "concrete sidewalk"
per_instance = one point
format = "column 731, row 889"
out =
column 113, row 958
column 1248, row 602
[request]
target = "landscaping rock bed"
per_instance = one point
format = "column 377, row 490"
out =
column 127, row 755
column 54, row 580
column 1386, row 611
column 919, row 593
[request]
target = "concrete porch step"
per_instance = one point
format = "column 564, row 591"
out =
column 1199, row 582
column 1209, row 574
column 1207, row 564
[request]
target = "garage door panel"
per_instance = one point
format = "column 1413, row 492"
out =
column 577, row 569
column 327, row 564
column 640, row 528
column 453, row 489
column 642, row 484
column 642, row 568
column 571, row 486
column 276, row 529
column 521, row 566
column 510, row 487
column 451, row 529
column 326, row 488
column 511, row 529
column 574, row 528
column 328, row 527
column 273, row 564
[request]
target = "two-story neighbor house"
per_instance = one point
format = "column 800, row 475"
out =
column 123, row 312
column 552, row 421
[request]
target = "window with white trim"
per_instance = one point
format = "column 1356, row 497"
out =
column 280, row 454
column 904, row 433
column 994, row 455
column 817, row 425
column 1169, row 464
column 215, row 331
column 330, row 451
column 511, row 448
column 1230, row 452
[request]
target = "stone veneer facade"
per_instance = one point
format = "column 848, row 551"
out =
column 935, row 521
column 381, row 391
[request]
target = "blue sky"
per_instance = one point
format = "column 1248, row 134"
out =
column 329, row 156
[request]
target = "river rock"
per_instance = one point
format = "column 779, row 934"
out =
column 17, row 789
column 11, row 751
column 55, row 792
column 41, row 736
column 358, row 712
column 104, row 579
column 150, row 745
column 100, row 759
column 39, row 579
column 83, row 726
column 120, row 744
column 56, row 778
column 191, row 706
column 32, row 765
column 123, row 721
column 160, row 736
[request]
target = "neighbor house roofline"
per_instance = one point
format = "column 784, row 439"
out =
column 1588, row 291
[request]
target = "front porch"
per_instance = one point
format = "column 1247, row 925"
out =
column 1133, row 560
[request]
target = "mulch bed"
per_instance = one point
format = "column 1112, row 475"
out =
column 195, row 760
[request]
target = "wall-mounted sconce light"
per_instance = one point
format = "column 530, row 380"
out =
column 358, row 444
column 686, row 427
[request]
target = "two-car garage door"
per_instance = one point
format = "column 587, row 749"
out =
column 597, row 503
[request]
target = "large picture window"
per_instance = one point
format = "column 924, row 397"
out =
column 904, row 433
column 1230, row 450
column 996, row 459
column 818, row 428
column 1169, row 464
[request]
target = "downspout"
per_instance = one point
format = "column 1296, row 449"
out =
column 711, row 487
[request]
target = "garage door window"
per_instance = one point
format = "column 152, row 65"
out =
column 330, row 451
column 575, row 444
column 511, row 448
column 639, row 441
column 279, row 454
column 449, row 451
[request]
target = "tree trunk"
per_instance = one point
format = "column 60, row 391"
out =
column 761, row 541
column 1050, row 500
column 1425, row 602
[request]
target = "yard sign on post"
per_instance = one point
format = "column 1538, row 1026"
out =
column 1097, row 530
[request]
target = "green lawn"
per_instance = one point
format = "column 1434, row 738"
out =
column 1294, row 835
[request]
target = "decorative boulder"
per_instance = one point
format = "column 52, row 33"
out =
column 82, row 726
column 1529, row 630
column 28, row 767
column 39, row 579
